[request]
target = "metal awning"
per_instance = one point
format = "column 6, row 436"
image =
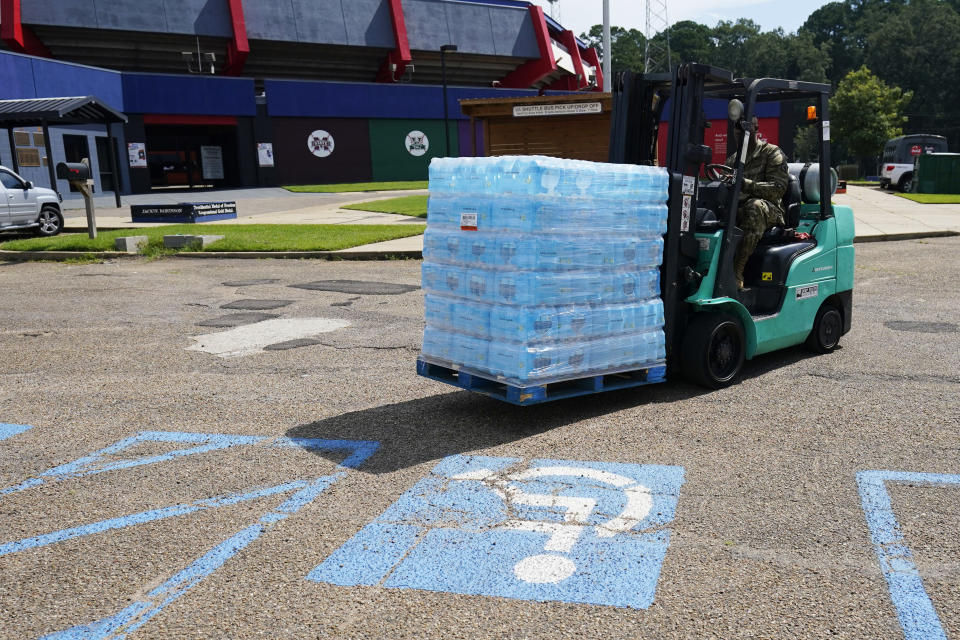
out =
column 61, row 111
column 76, row 110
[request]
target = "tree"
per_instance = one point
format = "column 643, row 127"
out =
column 731, row 46
column 690, row 42
column 866, row 112
column 919, row 49
column 627, row 47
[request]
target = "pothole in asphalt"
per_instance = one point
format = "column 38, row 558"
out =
column 345, row 303
column 237, row 319
column 360, row 287
column 250, row 283
column 292, row 344
column 921, row 327
column 256, row 305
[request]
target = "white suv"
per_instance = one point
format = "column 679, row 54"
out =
column 24, row 206
column 899, row 155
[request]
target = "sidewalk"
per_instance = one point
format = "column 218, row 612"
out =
column 879, row 215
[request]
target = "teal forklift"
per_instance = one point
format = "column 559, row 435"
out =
column 799, row 280
column 798, row 284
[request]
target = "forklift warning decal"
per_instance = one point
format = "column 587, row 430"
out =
column 685, row 213
column 809, row 291
column 546, row 530
column 689, row 185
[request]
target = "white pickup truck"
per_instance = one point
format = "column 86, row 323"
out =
column 24, row 206
column 899, row 154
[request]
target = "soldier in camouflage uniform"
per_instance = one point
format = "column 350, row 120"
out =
column 765, row 179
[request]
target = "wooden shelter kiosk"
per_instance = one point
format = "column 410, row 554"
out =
column 567, row 126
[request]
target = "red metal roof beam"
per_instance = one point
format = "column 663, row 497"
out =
column 19, row 38
column 579, row 79
column 239, row 48
column 590, row 55
column 397, row 60
column 533, row 71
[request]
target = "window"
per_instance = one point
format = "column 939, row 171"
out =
column 10, row 181
column 28, row 158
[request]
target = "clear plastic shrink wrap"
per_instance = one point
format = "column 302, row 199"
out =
column 541, row 269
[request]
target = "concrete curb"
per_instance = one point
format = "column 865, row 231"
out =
column 347, row 254
column 913, row 235
column 304, row 255
column 26, row 256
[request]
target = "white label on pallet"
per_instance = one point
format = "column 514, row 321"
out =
column 468, row 221
column 809, row 291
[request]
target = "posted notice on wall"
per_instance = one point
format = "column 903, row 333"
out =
column 211, row 157
column 563, row 109
column 137, row 154
column 265, row 154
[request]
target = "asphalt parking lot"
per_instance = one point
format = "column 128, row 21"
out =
column 301, row 481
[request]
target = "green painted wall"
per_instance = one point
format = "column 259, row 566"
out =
column 388, row 147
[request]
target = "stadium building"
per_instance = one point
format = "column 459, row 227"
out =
column 244, row 93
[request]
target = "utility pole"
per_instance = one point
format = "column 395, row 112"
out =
column 607, row 54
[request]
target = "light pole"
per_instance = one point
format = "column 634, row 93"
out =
column 443, row 78
column 607, row 55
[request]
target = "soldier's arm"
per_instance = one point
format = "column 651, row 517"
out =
column 773, row 184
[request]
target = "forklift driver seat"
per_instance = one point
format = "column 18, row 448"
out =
column 791, row 215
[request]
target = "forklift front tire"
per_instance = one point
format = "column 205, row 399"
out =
column 713, row 350
column 827, row 328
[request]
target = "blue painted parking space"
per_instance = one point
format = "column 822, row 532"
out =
column 296, row 493
column 546, row 530
column 10, row 430
column 915, row 610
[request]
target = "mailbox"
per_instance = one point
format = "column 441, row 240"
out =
column 73, row 171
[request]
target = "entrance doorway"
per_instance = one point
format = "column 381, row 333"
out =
column 107, row 179
column 192, row 156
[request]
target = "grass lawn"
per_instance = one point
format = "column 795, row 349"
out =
column 239, row 237
column 357, row 186
column 864, row 183
column 405, row 205
column 932, row 198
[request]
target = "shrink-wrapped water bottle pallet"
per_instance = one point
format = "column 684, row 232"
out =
column 537, row 393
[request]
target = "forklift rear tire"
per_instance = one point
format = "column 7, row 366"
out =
column 713, row 350
column 827, row 328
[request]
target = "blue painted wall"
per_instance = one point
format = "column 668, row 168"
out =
column 28, row 77
column 195, row 95
column 716, row 109
column 295, row 98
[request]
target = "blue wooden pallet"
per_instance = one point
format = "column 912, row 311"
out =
column 539, row 393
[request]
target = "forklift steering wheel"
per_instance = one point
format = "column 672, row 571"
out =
column 720, row 172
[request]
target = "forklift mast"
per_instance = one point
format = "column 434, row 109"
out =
column 638, row 105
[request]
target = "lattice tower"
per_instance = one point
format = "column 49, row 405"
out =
column 657, row 54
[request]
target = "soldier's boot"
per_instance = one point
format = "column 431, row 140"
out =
column 739, row 263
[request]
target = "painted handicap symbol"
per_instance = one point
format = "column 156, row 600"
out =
column 120, row 456
column 10, row 430
column 559, row 530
